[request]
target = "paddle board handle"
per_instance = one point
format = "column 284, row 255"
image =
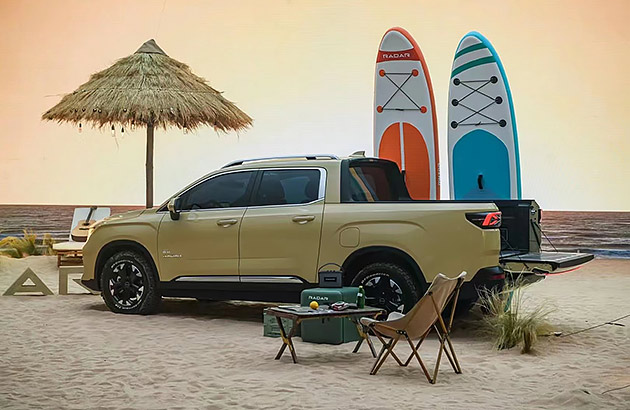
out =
column 480, row 181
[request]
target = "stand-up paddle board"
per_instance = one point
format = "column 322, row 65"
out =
column 405, row 126
column 482, row 141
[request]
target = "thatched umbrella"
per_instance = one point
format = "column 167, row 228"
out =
column 148, row 88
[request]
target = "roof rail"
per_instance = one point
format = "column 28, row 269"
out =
column 307, row 157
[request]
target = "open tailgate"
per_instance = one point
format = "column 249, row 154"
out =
column 542, row 262
column 521, row 241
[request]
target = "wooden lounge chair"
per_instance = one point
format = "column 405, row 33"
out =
column 71, row 252
column 418, row 323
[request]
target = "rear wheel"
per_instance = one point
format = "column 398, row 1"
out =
column 129, row 284
column 388, row 286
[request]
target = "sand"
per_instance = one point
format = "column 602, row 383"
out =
column 71, row 352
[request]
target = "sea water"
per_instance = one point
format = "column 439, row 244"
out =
column 604, row 234
column 41, row 219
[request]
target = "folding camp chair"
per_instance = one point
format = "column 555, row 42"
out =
column 417, row 324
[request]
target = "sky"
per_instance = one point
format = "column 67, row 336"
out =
column 304, row 71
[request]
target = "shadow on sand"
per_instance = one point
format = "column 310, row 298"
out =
column 191, row 308
column 465, row 326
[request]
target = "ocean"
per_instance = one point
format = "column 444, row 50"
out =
column 41, row 219
column 604, row 234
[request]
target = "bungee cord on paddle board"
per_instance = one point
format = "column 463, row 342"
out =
column 413, row 73
column 493, row 100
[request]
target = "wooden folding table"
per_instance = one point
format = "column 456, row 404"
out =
column 300, row 314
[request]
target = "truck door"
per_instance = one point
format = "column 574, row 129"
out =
column 202, row 245
column 280, row 232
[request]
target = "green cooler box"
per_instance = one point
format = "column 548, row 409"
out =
column 330, row 331
column 271, row 328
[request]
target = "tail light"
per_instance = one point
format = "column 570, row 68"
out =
column 485, row 220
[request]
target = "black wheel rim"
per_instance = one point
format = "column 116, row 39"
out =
column 383, row 292
column 126, row 284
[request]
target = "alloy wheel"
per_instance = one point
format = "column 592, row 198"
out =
column 383, row 292
column 127, row 284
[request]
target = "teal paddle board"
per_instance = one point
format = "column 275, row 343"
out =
column 482, row 138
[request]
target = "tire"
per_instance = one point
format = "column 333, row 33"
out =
column 388, row 286
column 129, row 284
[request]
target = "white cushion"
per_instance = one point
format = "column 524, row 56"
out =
column 68, row 246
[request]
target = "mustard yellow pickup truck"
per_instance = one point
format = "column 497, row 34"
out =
column 260, row 230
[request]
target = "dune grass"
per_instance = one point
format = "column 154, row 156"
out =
column 27, row 245
column 511, row 320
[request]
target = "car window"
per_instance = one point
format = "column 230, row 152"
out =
column 369, row 183
column 223, row 191
column 288, row 186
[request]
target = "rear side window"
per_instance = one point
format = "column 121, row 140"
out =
column 223, row 191
column 370, row 183
column 288, row 187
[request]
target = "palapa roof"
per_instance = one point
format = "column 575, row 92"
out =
column 149, row 87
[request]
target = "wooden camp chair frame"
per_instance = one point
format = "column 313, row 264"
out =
column 442, row 330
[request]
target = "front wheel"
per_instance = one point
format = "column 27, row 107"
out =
column 129, row 284
column 388, row 286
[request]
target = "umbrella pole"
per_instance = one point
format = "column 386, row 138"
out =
column 149, row 166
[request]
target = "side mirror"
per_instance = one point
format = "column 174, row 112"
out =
column 173, row 208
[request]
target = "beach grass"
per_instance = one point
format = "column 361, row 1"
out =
column 27, row 245
column 511, row 320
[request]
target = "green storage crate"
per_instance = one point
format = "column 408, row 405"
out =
column 271, row 328
column 329, row 331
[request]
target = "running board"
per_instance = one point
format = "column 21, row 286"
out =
column 542, row 262
column 241, row 278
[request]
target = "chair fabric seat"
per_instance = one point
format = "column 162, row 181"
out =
column 416, row 324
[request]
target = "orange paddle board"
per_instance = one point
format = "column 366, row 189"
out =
column 405, row 125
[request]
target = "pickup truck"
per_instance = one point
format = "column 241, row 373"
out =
column 260, row 230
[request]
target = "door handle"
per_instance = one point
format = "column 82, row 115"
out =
column 302, row 219
column 226, row 222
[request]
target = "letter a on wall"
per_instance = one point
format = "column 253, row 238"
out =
column 19, row 285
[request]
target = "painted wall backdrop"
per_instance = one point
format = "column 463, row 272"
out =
column 304, row 71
